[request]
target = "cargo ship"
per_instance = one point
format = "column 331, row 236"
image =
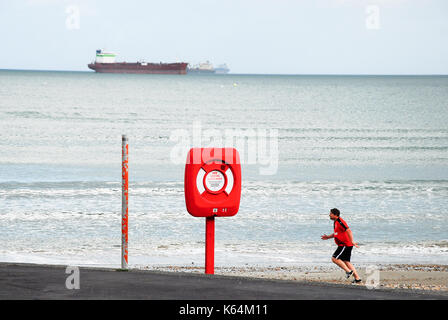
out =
column 105, row 63
column 204, row 67
column 222, row 69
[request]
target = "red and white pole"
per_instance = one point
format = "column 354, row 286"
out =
column 124, row 202
column 210, row 245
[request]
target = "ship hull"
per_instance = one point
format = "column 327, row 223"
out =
column 222, row 71
column 199, row 71
column 148, row 68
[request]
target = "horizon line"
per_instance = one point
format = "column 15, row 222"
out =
column 259, row 74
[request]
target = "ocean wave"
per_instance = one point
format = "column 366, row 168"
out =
column 247, row 253
column 77, row 189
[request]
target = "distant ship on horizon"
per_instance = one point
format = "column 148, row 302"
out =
column 105, row 63
column 222, row 69
column 203, row 67
column 207, row 68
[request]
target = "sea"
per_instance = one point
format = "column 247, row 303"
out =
column 375, row 147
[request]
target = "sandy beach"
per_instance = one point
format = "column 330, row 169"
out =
column 394, row 276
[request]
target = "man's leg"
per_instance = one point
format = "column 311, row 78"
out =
column 351, row 267
column 340, row 264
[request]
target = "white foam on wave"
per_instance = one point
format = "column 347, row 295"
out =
column 237, row 254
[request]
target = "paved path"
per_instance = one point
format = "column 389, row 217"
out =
column 24, row 281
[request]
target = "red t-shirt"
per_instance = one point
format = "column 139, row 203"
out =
column 340, row 233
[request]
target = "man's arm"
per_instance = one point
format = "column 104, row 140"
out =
column 350, row 237
column 325, row 237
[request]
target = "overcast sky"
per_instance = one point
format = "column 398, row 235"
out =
column 251, row 36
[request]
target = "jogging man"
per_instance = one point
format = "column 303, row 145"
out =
column 344, row 239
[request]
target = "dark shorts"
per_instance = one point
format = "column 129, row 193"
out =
column 343, row 253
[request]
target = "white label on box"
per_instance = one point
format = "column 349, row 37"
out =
column 214, row 180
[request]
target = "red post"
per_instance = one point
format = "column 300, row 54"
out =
column 210, row 245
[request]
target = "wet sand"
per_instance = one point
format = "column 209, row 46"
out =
column 422, row 277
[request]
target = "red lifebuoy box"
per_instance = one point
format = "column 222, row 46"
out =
column 212, row 189
column 213, row 182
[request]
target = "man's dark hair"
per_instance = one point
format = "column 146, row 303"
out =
column 335, row 211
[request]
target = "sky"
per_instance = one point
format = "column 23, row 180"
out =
column 251, row 36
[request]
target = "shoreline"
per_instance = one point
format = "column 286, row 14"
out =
column 424, row 277
column 430, row 277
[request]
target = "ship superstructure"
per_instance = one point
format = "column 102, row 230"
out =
column 203, row 67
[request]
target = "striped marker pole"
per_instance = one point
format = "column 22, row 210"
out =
column 124, row 202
